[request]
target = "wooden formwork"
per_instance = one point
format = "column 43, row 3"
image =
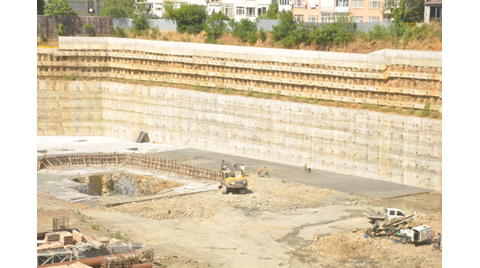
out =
column 127, row 159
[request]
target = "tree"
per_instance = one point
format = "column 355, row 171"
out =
column 40, row 6
column 123, row 8
column 189, row 18
column 215, row 27
column 272, row 12
column 405, row 10
column 284, row 26
column 58, row 7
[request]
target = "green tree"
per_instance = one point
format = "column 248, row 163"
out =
column 123, row 8
column 284, row 26
column 40, row 6
column 58, row 7
column 215, row 27
column 405, row 10
column 272, row 12
column 189, row 18
column 245, row 30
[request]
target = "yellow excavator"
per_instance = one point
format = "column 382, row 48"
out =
column 230, row 182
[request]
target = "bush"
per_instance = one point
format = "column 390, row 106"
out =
column 88, row 28
column 119, row 32
column 43, row 38
column 333, row 34
column 189, row 18
column 214, row 28
column 245, row 30
column 262, row 35
column 296, row 37
column 61, row 30
column 140, row 23
column 154, row 33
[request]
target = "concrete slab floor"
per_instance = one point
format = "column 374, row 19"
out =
column 330, row 180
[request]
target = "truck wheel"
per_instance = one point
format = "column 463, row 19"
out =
column 409, row 241
column 224, row 189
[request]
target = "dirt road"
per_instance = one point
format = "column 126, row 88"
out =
column 276, row 224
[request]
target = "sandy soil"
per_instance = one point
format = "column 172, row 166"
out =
column 277, row 223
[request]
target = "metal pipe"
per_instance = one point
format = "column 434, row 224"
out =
column 93, row 262
column 143, row 265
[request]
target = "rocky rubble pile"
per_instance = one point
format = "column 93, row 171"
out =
column 357, row 251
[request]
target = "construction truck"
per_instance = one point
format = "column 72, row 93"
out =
column 393, row 228
column 230, row 182
column 388, row 213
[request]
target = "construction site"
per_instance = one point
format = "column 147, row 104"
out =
column 139, row 164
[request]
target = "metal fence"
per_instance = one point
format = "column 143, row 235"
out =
column 73, row 25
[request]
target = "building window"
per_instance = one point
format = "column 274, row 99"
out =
column 250, row 11
column 284, row 2
column 374, row 4
column 77, row 5
column 357, row 3
column 240, row 10
column 327, row 18
column 159, row 8
column 373, row 19
column 261, row 10
column 343, row 3
column 299, row 3
column 313, row 19
column 228, row 11
column 357, row 19
column 298, row 18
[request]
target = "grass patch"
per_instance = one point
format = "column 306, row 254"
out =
column 118, row 235
column 95, row 226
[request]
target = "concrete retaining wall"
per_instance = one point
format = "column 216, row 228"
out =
column 375, row 145
column 375, row 61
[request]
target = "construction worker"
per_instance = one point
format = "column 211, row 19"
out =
column 243, row 170
column 266, row 172
column 305, row 167
column 235, row 165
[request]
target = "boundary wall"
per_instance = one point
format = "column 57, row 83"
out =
column 375, row 145
column 376, row 60
column 393, row 78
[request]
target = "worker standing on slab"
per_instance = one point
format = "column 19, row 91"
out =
column 242, row 168
column 305, row 167
column 266, row 172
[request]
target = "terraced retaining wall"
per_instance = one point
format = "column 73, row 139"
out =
column 359, row 142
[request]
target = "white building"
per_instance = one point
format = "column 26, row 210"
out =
column 234, row 9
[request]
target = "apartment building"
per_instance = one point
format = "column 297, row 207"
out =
column 233, row 9
column 85, row 7
column 324, row 11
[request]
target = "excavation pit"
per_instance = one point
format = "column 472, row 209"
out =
column 122, row 183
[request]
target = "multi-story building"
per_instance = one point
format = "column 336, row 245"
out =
column 325, row 11
column 233, row 9
column 85, row 7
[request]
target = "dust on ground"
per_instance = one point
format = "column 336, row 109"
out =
column 158, row 224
